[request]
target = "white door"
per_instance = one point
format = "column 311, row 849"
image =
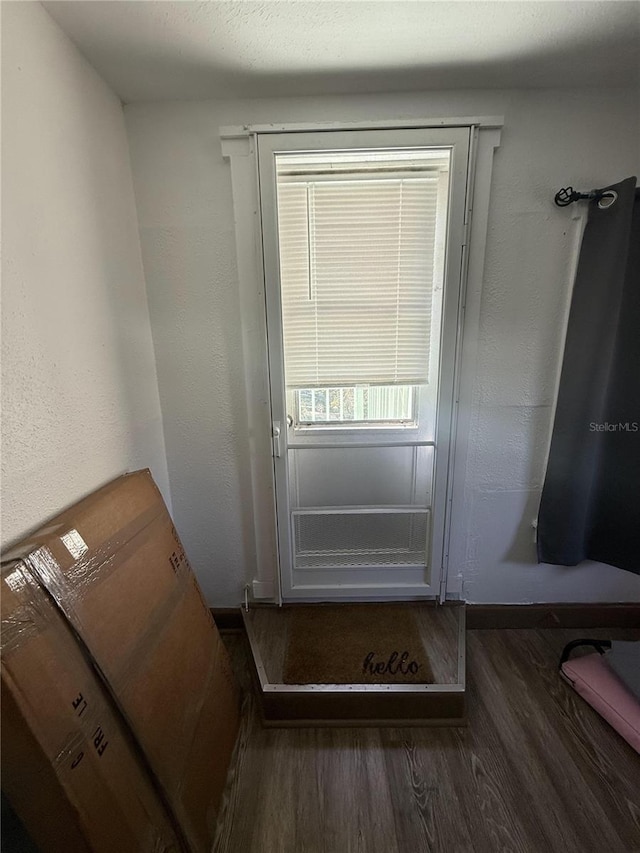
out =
column 362, row 239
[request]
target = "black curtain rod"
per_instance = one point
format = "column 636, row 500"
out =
column 567, row 195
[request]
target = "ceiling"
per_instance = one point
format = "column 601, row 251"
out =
column 150, row 51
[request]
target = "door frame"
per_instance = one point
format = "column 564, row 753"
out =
column 239, row 149
column 366, row 583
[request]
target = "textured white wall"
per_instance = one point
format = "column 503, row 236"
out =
column 183, row 190
column 79, row 386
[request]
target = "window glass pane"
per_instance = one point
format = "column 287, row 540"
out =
column 391, row 403
column 358, row 269
column 319, row 404
column 305, row 405
column 348, row 404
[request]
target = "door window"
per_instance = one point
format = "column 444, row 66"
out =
column 361, row 260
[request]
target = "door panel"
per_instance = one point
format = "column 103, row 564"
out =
column 349, row 538
column 361, row 468
column 378, row 476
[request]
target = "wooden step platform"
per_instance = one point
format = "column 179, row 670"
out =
column 442, row 703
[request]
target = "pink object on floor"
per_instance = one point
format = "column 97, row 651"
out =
column 603, row 690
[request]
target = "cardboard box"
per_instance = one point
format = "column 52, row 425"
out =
column 68, row 763
column 116, row 573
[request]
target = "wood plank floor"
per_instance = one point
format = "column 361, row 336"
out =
column 535, row 771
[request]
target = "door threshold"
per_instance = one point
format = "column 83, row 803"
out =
column 439, row 703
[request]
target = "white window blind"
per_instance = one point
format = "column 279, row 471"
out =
column 357, row 277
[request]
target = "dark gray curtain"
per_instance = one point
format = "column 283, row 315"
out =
column 590, row 507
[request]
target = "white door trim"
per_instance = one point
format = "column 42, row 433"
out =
column 241, row 131
column 487, row 142
column 262, row 574
column 238, row 148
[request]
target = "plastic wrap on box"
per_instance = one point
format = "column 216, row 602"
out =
column 69, row 765
column 114, row 569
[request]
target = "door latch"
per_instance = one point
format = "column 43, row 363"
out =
column 275, row 437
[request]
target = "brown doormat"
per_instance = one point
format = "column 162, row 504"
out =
column 355, row 644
